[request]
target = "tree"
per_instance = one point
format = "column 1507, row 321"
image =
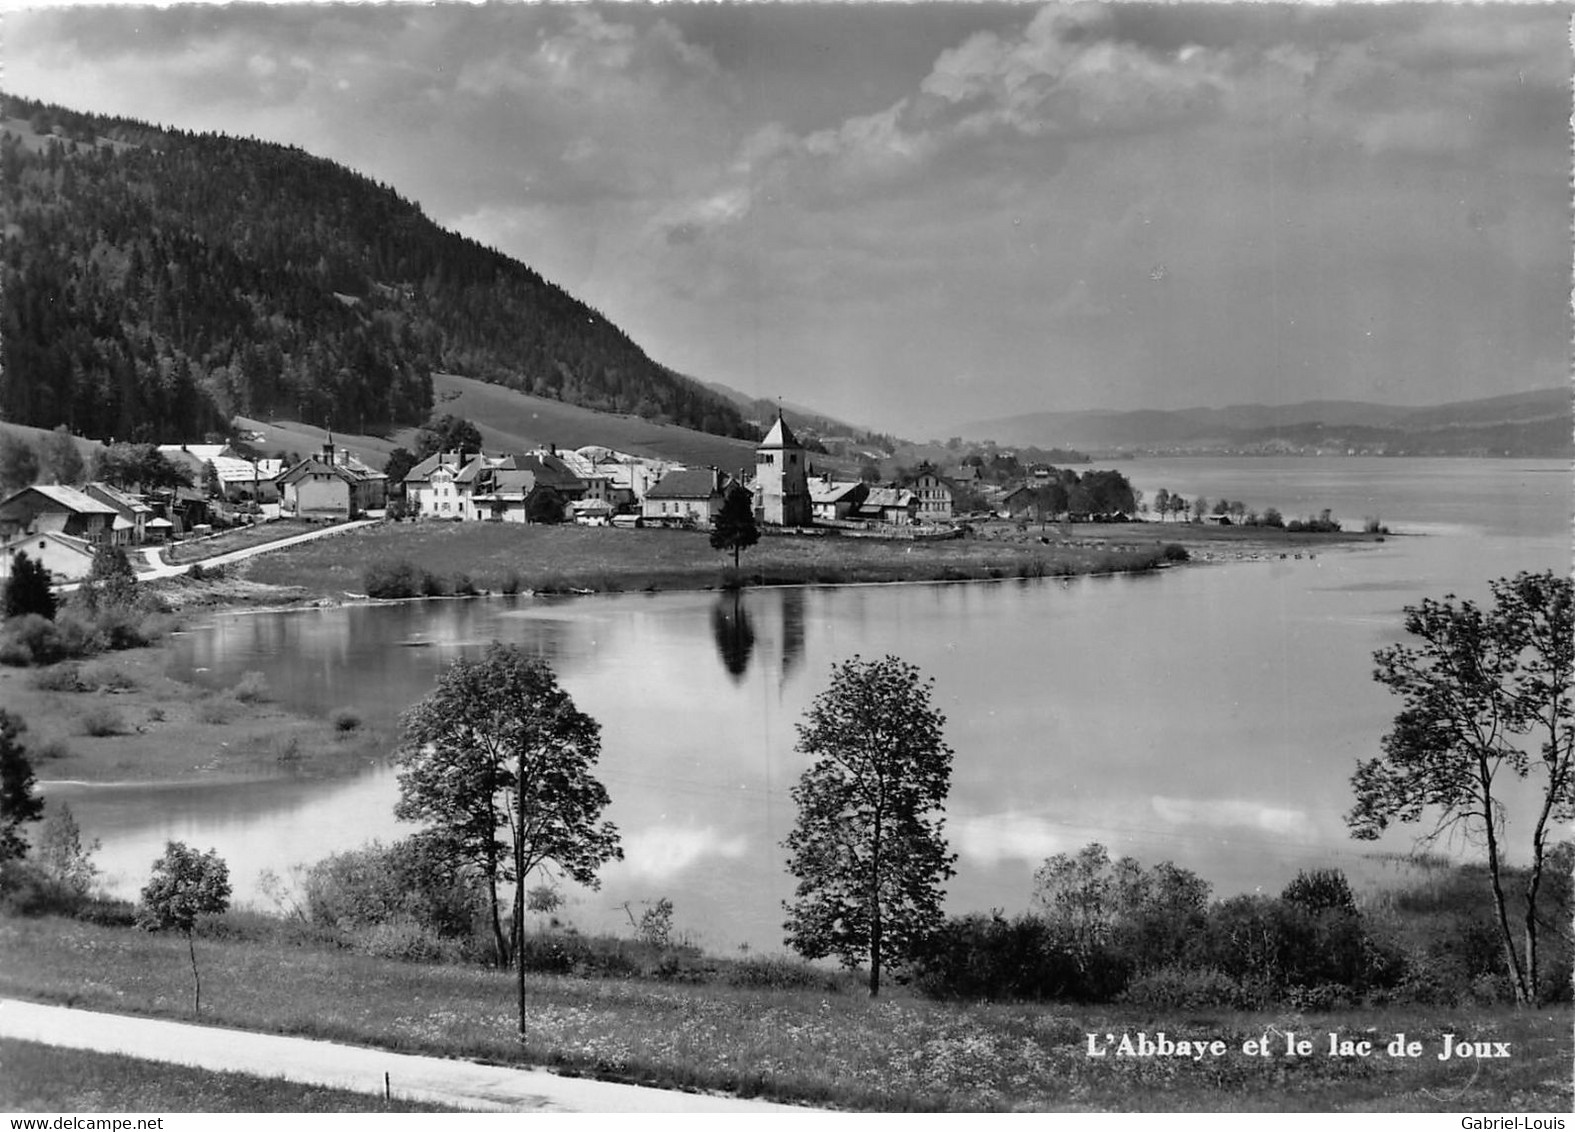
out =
column 62, row 458
column 1162, row 503
column 18, row 804
column 19, row 465
column 27, row 589
column 1486, row 693
column 734, row 528
column 61, row 854
column 868, row 848
column 398, row 465
column 185, row 884
column 447, row 433
column 499, row 760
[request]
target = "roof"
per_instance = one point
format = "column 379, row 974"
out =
column 822, row 492
column 780, row 436
column 232, row 469
column 550, row 470
column 884, row 497
column 313, row 465
column 108, row 493
column 423, row 470
column 70, row 542
column 482, row 463
column 199, row 451
column 68, row 497
column 506, row 481
column 691, row 483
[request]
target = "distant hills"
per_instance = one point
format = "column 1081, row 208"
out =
column 155, row 283
column 1538, row 423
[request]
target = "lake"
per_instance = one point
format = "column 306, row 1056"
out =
column 1211, row 715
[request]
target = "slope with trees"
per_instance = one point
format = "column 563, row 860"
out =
column 155, row 283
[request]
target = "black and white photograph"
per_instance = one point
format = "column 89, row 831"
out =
column 786, row 557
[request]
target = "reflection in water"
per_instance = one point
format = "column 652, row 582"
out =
column 792, row 631
column 735, row 636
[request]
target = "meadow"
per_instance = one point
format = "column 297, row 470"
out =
column 822, row 1044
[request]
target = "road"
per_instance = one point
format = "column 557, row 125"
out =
column 158, row 568
column 459, row 1084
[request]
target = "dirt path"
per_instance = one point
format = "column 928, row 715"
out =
column 462, row 1084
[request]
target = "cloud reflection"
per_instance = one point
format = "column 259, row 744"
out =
column 661, row 852
column 1234, row 813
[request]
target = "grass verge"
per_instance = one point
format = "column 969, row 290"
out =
column 41, row 1078
column 809, row 1046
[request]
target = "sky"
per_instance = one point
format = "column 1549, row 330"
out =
column 913, row 215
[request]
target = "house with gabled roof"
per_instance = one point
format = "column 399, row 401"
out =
column 326, row 487
column 935, row 494
column 66, row 557
column 55, row 507
column 132, row 515
column 687, row 495
column 832, row 500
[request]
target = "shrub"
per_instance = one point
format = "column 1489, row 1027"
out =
column 463, row 586
column 1186, row 988
column 510, row 584
column 101, row 721
column 1027, row 958
column 50, row 751
column 155, row 714
column 219, row 708
column 345, row 719
column 377, row 884
column 65, row 677
column 432, row 585
column 32, row 639
column 391, row 580
column 780, row 972
column 1175, row 552
column 253, row 688
column 405, row 938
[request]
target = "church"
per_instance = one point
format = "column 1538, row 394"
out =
column 782, row 479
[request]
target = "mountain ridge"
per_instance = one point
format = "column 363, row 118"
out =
column 1533, row 423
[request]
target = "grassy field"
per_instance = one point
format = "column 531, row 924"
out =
column 809, row 1045
column 119, row 718
column 197, row 550
column 40, row 1078
column 606, row 559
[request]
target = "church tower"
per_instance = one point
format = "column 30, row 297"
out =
column 781, row 478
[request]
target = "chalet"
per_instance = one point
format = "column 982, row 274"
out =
column 553, row 471
column 59, row 509
column 131, row 514
column 693, row 494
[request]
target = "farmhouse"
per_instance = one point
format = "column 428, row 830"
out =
column 326, row 487
column 58, row 509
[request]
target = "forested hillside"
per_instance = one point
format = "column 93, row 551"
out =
column 155, row 283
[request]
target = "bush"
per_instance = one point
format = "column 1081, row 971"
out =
column 65, row 677
column 432, row 585
column 216, row 709
column 405, row 938
column 1186, row 988
column 392, row 580
column 345, row 719
column 253, row 688
column 1175, row 552
column 780, row 972
column 414, row 879
column 510, row 584
column 1027, row 958
column 463, row 586
column 101, row 721
column 32, row 639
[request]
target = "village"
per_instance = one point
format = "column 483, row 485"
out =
column 62, row 525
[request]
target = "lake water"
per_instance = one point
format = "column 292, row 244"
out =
column 1210, row 715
